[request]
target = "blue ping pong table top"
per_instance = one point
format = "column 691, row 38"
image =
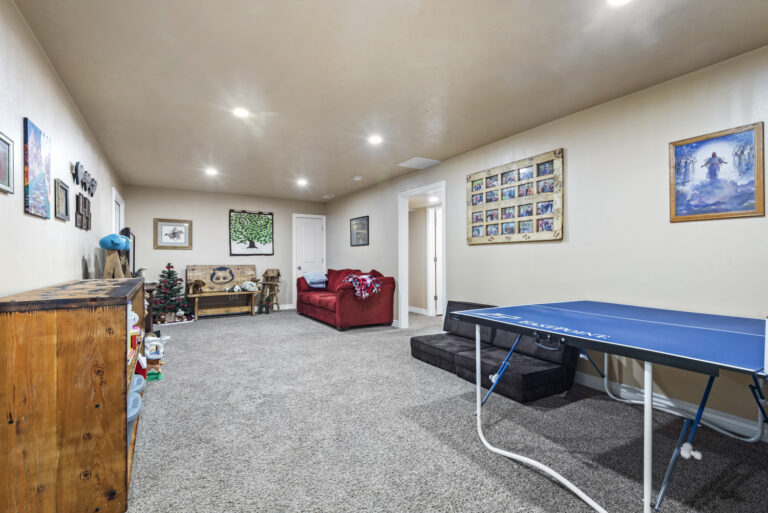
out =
column 694, row 341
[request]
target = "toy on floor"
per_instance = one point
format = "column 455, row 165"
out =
column 154, row 350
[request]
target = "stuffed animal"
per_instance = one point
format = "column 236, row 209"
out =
column 250, row 286
column 197, row 286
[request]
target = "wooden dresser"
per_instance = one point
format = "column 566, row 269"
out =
column 64, row 379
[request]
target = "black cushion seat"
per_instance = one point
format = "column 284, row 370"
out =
column 534, row 372
column 439, row 349
column 526, row 379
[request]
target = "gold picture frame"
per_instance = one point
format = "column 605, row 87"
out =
column 706, row 185
column 172, row 234
column 521, row 201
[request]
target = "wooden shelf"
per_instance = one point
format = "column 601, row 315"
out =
column 63, row 387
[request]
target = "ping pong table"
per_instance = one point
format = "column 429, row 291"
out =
column 697, row 342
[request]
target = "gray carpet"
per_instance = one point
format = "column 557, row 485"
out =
column 282, row 413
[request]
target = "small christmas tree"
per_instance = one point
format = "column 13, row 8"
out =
column 169, row 295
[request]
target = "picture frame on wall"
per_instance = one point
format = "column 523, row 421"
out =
column 251, row 233
column 526, row 194
column 61, row 197
column 171, row 233
column 358, row 231
column 37, row 171
column 718, row 175
column 6, row 163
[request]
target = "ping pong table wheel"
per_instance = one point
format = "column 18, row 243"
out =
column 686, row 451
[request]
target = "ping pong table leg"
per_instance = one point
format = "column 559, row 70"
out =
column 647, row 437
column 685, row 449
column 516, row 457
column 501, row 371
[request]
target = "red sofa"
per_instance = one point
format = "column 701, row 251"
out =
column 337, row 305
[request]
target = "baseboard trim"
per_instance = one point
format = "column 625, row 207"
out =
column 730, row 422
column 289, row 306
column 420, row 311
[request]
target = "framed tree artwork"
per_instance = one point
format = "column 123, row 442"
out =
column 718, row 175
column 251, row 233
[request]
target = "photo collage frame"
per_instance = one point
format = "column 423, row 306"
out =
column 517, row 202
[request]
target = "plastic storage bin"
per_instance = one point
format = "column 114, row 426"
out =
column 132, row 413
column 138, row 382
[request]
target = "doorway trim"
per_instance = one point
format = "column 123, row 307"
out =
column 118, row 199
column 294, row 272
column 402, row 248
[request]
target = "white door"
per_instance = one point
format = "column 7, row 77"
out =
column 434, row 263
column 438, row 263
column 308, row 244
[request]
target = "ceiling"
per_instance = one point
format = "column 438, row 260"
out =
column 157, row 81
column 425, row 200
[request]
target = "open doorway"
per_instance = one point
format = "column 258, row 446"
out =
column 425, row 231
column 422, row 270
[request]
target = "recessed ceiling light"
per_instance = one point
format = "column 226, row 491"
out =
column 434, row 199
column 617, row 3
column 241, row 112
column 210, row 171
column 375, row 139
column 328, row 196
column 302, row 181
column 357, row 178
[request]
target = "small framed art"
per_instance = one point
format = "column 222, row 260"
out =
column 358, row 231
column 526, row 195
column 172, row 234
column 61, row 197
column 6, row 164
column 717, row 175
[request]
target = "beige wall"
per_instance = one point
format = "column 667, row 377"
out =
column 417, row 258
column 209, row 213
column 619, row 244
column 36, row 252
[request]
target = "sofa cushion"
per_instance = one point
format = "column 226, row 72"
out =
column 462, row 328
column 505, row 339
column 335, row 277
column 439, row 349
column 320, row 299
column 526, row 379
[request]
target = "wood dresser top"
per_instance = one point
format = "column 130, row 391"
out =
column 73, row 294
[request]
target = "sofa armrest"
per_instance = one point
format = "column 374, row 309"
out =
column 302, row 285
column 344, row 285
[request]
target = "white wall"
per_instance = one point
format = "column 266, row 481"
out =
column 209, row 213
column 619, row 244
column 36, row 252
column 417, row 258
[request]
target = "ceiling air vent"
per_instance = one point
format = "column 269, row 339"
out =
column 419, row 163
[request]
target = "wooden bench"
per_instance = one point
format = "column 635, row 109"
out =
column 212, row 297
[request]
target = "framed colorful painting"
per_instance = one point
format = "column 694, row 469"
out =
column 37, row 171
column 718, row 175
column 251, row 233
column 526, row 195
column 6, row 164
